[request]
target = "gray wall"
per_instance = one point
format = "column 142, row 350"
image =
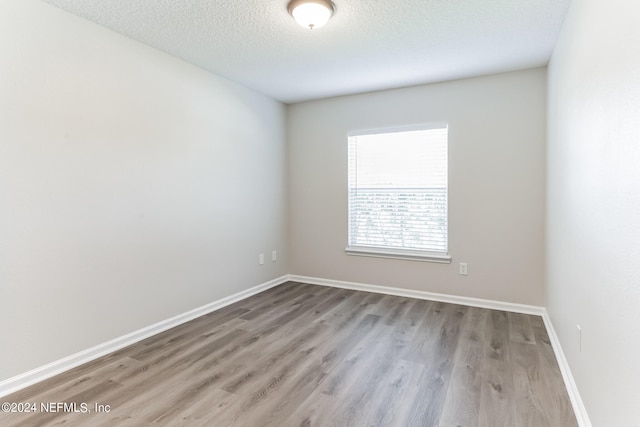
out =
column 593, row 234
column 133, row 186
column 497, row 128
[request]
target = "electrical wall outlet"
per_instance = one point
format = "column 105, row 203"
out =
column 274, row 256
column 261, row 259
column 463, row 268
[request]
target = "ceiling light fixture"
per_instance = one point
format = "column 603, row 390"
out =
column 311, row 13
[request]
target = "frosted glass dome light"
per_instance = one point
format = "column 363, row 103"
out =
column 311, row 13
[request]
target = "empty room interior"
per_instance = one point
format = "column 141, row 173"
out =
column 406, row 213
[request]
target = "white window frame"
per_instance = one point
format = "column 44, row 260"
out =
column 397, row 253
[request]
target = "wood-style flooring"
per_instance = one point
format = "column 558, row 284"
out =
column 305, row 355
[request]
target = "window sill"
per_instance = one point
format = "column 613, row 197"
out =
column 399, row 254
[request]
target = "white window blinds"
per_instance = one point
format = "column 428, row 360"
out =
column 398, row 190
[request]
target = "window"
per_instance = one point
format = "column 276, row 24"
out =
column 398, row 193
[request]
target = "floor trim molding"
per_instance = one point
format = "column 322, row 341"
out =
column 432, row 296
column 26, row 379
column 569, row 383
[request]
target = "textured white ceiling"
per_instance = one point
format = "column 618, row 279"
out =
column 368, row 44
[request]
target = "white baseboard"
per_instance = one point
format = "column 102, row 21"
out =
column 409, row 293
column 569, row 383
column 26, row 379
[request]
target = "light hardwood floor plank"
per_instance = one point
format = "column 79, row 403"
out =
column 520, row 329
column 306, row 355
column 462, row 404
